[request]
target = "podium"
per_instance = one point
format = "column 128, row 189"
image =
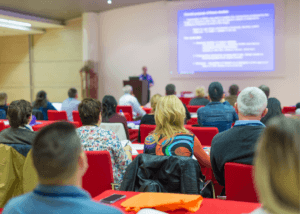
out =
column 140, row 89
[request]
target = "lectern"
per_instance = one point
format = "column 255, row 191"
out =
column 140, row 89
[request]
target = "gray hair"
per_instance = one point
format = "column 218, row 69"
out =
column 252, row 101
column 127, row 89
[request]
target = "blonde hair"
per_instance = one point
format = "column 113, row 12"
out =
column 200, row 92
column 277, row 166
column 3, row 97
column 169, row 117
column 153, row 101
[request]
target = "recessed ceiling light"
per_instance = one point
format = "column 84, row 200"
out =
column 11, row 22
column 109, row 2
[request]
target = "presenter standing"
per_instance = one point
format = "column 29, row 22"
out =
column 147, row 77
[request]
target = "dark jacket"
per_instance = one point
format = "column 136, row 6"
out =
column 151, row 173
column 199, row 101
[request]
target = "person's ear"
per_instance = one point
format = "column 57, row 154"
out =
column 208, row 97
column 100, row 118
column 236, row 108
column 83, row 163
column 265, row 112
column 223, row 97
column 29, row 118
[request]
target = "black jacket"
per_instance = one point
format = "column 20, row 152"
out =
column 173, row 174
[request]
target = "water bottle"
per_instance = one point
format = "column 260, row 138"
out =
column 121, row 112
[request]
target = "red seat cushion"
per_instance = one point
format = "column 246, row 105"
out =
column 145, row 130
column 125, row 109
column 57, row 115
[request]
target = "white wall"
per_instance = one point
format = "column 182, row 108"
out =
column 140, row 35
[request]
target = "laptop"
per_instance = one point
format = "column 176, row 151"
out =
column 134, row 78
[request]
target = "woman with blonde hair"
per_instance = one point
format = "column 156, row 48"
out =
column 149, row 118
column 277, row 174
column 170, row 138
column 200, row 99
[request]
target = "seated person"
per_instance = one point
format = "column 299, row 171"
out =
column 170, row 137
column 71, row 104
column 41, row 103
column 216, row 113
column 60, row 164
column 20, row 135
column 238, row 143
column 200, row 99
column 265, row 89
column 110, row 115
column 149, row 118
column 94, row 138
column 274, row 109
column 3, row 99
column 297, row 112
column 129, row 100
column 233, row 91
column 277, row 167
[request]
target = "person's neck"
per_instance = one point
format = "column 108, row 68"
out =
column 242, row 117
column 74, row 181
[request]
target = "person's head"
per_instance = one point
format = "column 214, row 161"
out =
column 57, row 155
column 297, row 105
column 127, row 89
column 153, row 101
column 277, row 175
column 215, row 91
column 252, row 102
column 233, row 89
column 3, row 98
column 170, row 89
column 265, row 89
column 144, row 68
column 19, row 113
column 90, row 111
column 41, row 99
column 72, row 93
column 200, row 92
column 109, row 104
column 274, row 109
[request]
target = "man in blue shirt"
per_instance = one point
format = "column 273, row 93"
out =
column 60, row 163
column 71, row 104
column 147, row 77
column 217, row 114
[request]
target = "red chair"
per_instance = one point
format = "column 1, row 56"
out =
column 185, row 92
column 289, row 110
column 193, row 109
column 1, row 209
column 239, row 183
column 126, row 109
column 145, row 130
column 204, row 134
column 127, row 116
column 57, row 115
column 2, row 126
column 99, row 176
column 76, row 117
column 185, row 100
column 148, row 110
column 192, row 121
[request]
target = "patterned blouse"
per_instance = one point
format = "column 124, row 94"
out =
column 94, row 138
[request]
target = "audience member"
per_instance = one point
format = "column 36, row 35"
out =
column 200, row 99
column 265, row 89
column 297, row 112
column 217, row 114
column 20, row 135
column 238, row 143
column 3, row 100
column 149, row 118
column 94, row 138
column 60, row 164
column 129, row 100
column 277, row 174
column 41, row 103
column 233, row 91
column 71, row 104
column 170, row 138
column 110, row 114
column 171, row 90
column 274, row 109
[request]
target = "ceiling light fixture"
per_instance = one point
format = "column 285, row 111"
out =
column 109, row 2
column 15, row 23
column 15, row 27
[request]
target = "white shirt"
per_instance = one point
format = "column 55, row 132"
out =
column 129, row 100
column 297, row 111
column 69, row 105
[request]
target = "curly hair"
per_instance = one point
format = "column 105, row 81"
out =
column 18, row 113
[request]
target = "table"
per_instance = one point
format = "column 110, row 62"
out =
column 208, row 206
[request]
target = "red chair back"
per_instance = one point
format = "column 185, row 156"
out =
column 192, row 121
column 145, row 130
column 76, row 117
column 1, row 209
column 185, row 92
column 204, row 134
column 288, row 110
column 148, row 110
column 193, row 109
column 2, row 126
column 99, row 175
column 239, row 183
column 185, row 100
column 57, row 115
column 128, row 117
column 125, row 109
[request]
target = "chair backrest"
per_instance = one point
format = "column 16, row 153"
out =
column 288, row 110
column 185, row 100
column 76, row 117
column 204, row 134
column 125, row 109
column 38, row 114
column 192, row 121
column 147, row 110
column 128, row 116
column 145, row 130
column 117, row 128
column 99, row 175
column 2, row 114
column 2, row 126
column 239, row 183
column 185, row 92
column 193, row 109
column 57, row 115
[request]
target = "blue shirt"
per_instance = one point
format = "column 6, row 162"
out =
column 69, row 105
column 217, row 114
column 45, row 110
column 56, row 199
column 148, row 78
column 249, row 123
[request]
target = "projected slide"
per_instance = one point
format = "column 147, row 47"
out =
column 227, row 39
